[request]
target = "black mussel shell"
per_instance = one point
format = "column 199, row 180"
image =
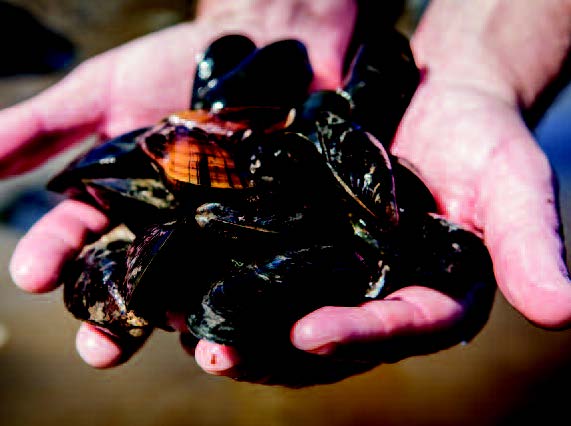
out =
column 260, row 301
column 171, row 265
column 317, row 106
column 94, row 287
column 427, row 250
column 135, row 201
column 279, row 160
column 293, row 191
column 381, row 83
column 442, row 255
column 221, row 57
column 361, row 166
column 250, row 226
column 278, row 74
column 412, row 194
column 117, row 158
column 156, row 265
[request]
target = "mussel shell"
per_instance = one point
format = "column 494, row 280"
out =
column 198, row 148
column 278, row 74
column 428, row 250
column 411, row 191
column 136, row 202
column 317, row 106
column 171, row 265
column 361, row 167
column 439, row 254
column 381, row 83
column 259, row 302
column 152, row 269
column 117, row 158
column 221, row 57
column 94, row 287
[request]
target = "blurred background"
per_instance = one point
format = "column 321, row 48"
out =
column 509, row 373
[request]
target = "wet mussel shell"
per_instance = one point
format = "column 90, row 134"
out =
column 221, row 57
column 278, row 74
column 119, row 158
column 258, row 302
column 381, row 83
column 94, row 287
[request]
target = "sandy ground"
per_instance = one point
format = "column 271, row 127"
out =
column 509, row 373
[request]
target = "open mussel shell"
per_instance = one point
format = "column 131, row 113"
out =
column 278, row 74
column 221, row 57
column 381, row 82
column 94, row 287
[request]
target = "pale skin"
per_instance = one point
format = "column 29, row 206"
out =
column 463, row 131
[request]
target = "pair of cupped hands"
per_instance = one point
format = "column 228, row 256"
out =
column 468, row 143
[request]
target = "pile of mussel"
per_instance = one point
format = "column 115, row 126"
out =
column 263, row 202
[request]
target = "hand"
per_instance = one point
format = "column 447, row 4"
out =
column 133, row 86
column 465, row 135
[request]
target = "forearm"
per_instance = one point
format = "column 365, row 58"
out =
column 512, row 48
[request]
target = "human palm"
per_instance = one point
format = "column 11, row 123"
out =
column 488, row 173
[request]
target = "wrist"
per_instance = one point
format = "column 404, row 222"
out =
column 496, row 46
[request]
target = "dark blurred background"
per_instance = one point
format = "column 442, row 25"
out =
column 512, row 372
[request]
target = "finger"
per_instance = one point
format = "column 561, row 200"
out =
column 34, row 130
column 409, row 311
column 522, row 233
column 100, row 350
column 56, row 238
column 216, row 359
column 96, row 348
